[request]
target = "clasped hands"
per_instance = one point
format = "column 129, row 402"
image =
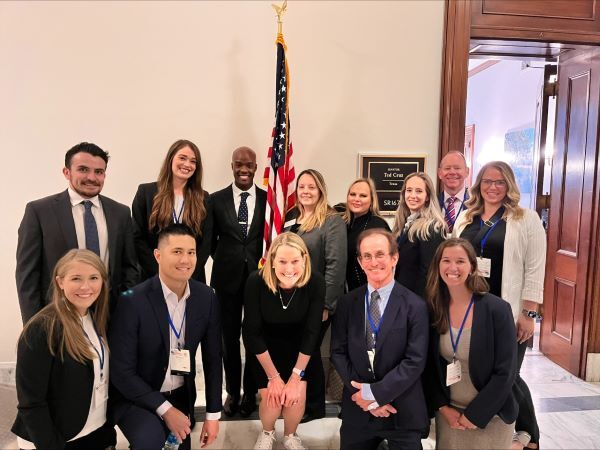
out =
column 283, row 394
column 381, row 411
column 455, row 419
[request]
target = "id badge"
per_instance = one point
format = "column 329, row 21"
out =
column 484, row 266
column 180, row 362
column 453, row 373
column 371, row 354
column 100, row 392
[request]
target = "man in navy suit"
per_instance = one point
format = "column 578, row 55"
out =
column 238, row 218
column 153, row 337
column 76, row 218
column 453, row 172
column 379, row 348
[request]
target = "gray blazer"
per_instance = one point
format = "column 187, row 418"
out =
column 327, row 247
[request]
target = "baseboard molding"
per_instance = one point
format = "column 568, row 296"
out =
column 7, row 373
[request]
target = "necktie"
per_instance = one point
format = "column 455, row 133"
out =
column 375, row 315
column 92, row 242
column 450, row 215
column 243, row 213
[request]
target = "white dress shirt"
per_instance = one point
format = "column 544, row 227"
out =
column 78, row 210
column 250, row 201
column 458, row 203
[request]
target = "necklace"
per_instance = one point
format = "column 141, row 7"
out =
column 289, row 301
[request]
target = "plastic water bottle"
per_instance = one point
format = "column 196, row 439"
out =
column 171, row 443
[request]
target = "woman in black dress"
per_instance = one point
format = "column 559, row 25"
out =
column 282, row 321
column 361, row 213
column 177, row 197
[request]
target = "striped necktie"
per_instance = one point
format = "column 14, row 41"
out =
column 450, row 215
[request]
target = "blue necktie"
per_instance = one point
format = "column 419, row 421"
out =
column 375, row 317
column 243, row 214
column 92, row 242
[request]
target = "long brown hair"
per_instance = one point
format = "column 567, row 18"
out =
column 62, row 322
column 475, row 204
column 438, row 296
column 194, row 211
column 322, row 208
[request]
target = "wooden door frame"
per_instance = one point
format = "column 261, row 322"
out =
column 458, row 31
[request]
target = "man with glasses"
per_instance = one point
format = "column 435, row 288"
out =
column 379, row 348
column 453, row 172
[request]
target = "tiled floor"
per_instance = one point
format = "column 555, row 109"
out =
column 568, row 411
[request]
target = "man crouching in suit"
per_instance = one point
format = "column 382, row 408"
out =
column 379, row 348
column 153, row 336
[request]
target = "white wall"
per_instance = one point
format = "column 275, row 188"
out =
column 133, row 77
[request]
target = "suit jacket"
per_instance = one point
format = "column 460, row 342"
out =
column 492, row 364
column 232, row 254
column 54, row 395
column 139, row 339
column 400, row 357
column 327, row 248
column 147, row 240
column 47, row 232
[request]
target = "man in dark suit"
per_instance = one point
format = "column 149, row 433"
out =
column 238, row 218
column 153, row 336
column 453, row 172
column 379, row 348
column 77, row 218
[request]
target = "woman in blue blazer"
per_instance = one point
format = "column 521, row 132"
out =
column 473, row 354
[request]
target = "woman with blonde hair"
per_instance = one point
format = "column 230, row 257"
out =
column 282, row 324
column 177, row 197
column 419, row 229
column 361, row 213
column 62, row 362
column 473, row 356
column 510, row 243
column 324, row 233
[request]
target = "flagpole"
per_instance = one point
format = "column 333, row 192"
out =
column 280, row 10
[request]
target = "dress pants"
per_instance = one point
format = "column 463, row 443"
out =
column 526, row 420
column 231, row 320
column 352, row 438
column 315, row 390
column 99, row 439
column 145, row 430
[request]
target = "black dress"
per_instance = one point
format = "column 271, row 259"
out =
column 355, row 277
column 283, row 332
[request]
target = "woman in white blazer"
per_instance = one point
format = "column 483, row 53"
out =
column 510, row 242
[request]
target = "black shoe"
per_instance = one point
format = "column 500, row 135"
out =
column 309, row 416
column 231, row 406
column 248, row 405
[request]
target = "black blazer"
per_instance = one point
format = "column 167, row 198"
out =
column 400, row 358
column 147, row 240
column 47, row 232
column 140, row 347
column 414, row 259
column 54, row 395
column 492, row 364
column 232, row 254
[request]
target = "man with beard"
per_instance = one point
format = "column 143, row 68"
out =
column 452, row 173
column 78, row 217
column 238, row 218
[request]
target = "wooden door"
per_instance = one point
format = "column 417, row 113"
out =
column 568, row 276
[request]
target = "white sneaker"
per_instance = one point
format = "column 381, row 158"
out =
column 293, row 442
column 265, row 440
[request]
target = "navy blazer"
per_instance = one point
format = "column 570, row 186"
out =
column 140, row 346
column 47, row 232
column 400, row 357
column 492, row 364
column 232, row 254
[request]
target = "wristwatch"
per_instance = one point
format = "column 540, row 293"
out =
column 532, row 314
column 298, row 372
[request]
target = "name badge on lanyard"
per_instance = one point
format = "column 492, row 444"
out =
column 454, row 369
column 177, row 217
column 484, row 265
column 179, row 359
column 100, row 394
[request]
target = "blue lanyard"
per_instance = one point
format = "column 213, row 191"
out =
column 374, row 329
column 100, row 353
column 460, row 330
column 175, row 332
column 177, row 218
column 462, row 204
column 487, row 234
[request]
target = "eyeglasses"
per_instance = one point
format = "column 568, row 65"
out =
column 379, row 256
column 488, row 183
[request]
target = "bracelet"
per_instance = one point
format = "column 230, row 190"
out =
column 273, row 377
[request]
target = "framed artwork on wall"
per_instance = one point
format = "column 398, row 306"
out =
column 388, row 172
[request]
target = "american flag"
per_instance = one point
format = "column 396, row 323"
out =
column 279, row 174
